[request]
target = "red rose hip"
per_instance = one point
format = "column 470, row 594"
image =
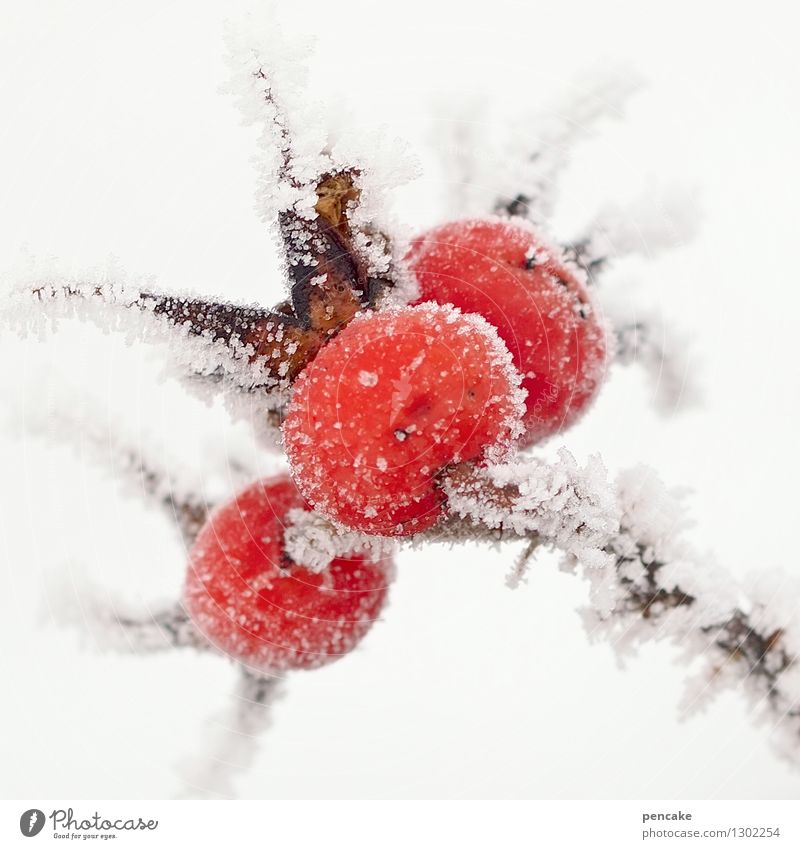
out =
column 504, row 271
column 391, row 401
column 260, row 608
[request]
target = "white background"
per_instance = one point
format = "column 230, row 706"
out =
column 116, row 141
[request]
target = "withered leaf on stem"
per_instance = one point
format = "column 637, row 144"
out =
column 330, row 289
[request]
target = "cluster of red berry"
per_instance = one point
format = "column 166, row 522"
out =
column 502, row 348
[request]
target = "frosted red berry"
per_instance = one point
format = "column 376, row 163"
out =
column 392, row 400
column 504, row 271
column 260, row 608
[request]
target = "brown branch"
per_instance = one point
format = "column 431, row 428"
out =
column 278, row 341
column 642, row 591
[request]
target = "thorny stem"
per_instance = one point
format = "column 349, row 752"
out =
column 762, row 654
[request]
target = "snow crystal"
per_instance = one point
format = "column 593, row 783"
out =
column 569, row 507
column 368, row 378
column 313, row 541
column 775, row 598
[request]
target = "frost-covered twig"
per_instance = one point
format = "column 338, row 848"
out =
column 527, row 187
column 319, row 192
column 246, row 346
column 231, row 742
column 332, row 263
column 276, row 345
column 113, row 627
column 561, row 505
column 663, row 589
column 653, row 585
column 663, row 358
column 139, row 466
column 164, row 629
column 656, row 222
column 567, row 506
column 235, row 349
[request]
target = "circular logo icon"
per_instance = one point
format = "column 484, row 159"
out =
column 31, row 822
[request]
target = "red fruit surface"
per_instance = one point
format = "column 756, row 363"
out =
column 388, row 403
column 257, row 606
column 504, row 271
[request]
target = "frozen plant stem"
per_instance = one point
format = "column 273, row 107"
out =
column 531, row 186
column 231, row 739
column 110, row 627
column 652, row 585
column 136, row 466
column 165, row 629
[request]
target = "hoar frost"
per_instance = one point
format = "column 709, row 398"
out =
column 645, row 581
